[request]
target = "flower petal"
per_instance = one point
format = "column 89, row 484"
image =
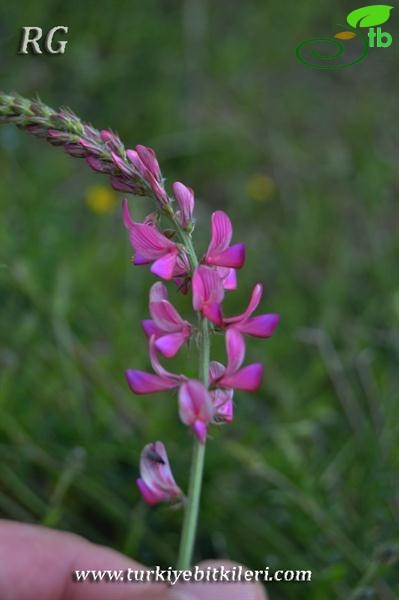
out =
column 199, row 429
column 139, row 260
column 233, row 257
column 137, row 163
column 149, row 242
column 216, row 371
column 223, row 404
column 235, row 349
column 195, row 403
column 207, row 287
column 127, row 219
column 230, row 279
column 213, row 313
column 148, row 495
column 256, row 297
column 185, row 199
column 222, row 232
column 141, row 382
column 149, row 159
column 156, row 483
column 159, row 369
column 158, row 292
column 164, row 267
column 150, row 328
column 166, row 316
column 170, row 344
column 262, row 326
column 249, row 378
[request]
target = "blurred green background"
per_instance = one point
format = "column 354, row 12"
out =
column 306, row 163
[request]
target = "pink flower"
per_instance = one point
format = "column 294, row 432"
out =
column 208, row 293
column 168, row 327
column 141, row 382
column 151, row 246
column 223, row 380
column 145, row 162
column 156, row 483
column 195, row 407
column 185, row 199
column 262, row 326
column 219, row 252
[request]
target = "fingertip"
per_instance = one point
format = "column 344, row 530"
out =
column 238, row 590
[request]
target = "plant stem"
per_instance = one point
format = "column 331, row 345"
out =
column 197, row 466
column 190, row 520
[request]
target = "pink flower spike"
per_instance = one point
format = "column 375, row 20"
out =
column 196, row 407
column 219, row 252
column 262, row 326
column 151, row 246
column 156, row 483
column 185, row 199
column 208, row 293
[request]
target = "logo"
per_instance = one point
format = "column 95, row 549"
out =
column 369, row 17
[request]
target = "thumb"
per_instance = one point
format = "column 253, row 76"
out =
column 210, row 590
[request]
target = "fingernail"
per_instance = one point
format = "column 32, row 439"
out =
column 220, row 591
column 202, row 590
column 181, row 595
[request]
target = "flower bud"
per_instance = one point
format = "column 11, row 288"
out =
column 156, row 482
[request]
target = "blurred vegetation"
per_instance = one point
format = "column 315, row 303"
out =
column 305, row 161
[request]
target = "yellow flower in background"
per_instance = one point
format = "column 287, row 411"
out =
column 100, row 199
column 260, row 187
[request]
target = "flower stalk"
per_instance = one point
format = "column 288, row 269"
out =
column 171, row 256
column 190, row 521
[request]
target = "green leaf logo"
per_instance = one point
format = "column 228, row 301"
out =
column 369, row 16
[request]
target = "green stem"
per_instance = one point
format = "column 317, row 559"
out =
column 190, row 520
column 197, row 466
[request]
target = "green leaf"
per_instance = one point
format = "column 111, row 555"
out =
column 369, row 16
